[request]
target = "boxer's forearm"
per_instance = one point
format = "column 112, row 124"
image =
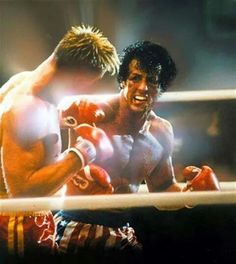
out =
column 45, row 181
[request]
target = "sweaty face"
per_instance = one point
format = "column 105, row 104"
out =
column 140, row 88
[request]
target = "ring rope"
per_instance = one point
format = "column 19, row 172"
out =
column 180, row 96
column 204, row 95
column 92, row 202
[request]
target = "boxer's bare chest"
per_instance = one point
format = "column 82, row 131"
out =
column 135, row 156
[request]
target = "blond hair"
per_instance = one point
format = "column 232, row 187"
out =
column 86, row 46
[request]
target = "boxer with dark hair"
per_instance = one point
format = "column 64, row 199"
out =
column 31, row 160
column 142, row 143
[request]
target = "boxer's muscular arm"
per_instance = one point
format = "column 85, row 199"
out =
column 162, row 177
column 24, row 155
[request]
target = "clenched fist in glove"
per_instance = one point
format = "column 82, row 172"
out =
column 92, row 143
column 78, row 112
column 98, row 137
column 200, row 179
column 90, row 180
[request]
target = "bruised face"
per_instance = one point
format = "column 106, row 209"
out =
column 140, row 88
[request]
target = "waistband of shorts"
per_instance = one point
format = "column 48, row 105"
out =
column 26, row 213
column 96, row 217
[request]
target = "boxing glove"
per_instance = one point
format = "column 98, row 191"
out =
column 92, row 179
column 78, row 112
column 84, row 149
column 98, row 138
column 203, row 179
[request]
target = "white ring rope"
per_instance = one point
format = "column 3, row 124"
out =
column 225, row 186
column 202, row 95
column 181, row 96
column 178, row 199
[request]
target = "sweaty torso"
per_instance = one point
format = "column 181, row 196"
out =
column 135, row 155
column 29, row 127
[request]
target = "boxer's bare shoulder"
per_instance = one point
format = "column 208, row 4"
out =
column 25, row 116
column 162, row 130
column 110, row 107
column 108, row 104
column 13, row 82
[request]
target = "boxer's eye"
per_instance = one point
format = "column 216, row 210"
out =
column 135, row 78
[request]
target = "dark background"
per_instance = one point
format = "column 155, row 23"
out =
column 199, row 34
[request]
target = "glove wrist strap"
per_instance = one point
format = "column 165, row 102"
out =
column 85, row 150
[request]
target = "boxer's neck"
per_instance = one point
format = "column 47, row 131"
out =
column 43, row 76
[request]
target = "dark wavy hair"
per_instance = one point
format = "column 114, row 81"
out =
column 151, row 57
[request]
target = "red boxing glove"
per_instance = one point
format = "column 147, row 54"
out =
column 203, row 179
column 78, row 112
column 98, row 138
column 90, row 180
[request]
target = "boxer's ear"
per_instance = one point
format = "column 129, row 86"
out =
column 122, row 85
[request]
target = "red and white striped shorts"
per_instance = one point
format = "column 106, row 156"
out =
column 26, row 233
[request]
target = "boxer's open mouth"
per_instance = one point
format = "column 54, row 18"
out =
column 140, row 98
